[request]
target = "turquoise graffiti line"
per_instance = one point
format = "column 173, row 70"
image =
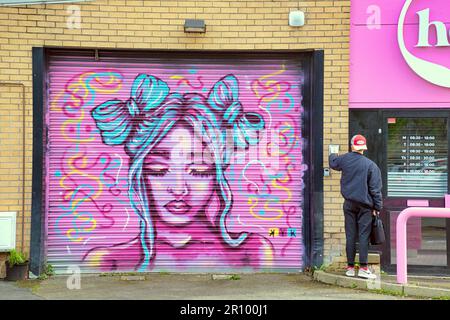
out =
column 92, row 77
column 114, row 164
column 280, row 104
column 80, row 219
column 273, row 200
column 71, row 208
column 266, row 172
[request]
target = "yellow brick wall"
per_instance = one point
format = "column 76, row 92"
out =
column 243, row 25
column 12, row 151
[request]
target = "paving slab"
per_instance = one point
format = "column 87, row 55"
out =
column 417, row 286
column 421, row 281
column 392, row 287
column 198, row 287
column 426, row 291
column 11, row 291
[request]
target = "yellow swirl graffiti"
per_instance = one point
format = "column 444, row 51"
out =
column 71, row 238
column 75, row 172
column 74, row 122
column 80, row 217
column 268, row 85
column 81, row 83
column 253, row 201
column 78, row 92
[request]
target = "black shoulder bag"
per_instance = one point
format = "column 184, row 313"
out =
column 377, row 235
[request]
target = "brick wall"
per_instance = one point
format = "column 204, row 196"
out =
column 159, row 25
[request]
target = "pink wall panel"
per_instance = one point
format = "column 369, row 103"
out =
column 379, row 75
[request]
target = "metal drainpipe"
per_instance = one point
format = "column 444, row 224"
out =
column 13, row 84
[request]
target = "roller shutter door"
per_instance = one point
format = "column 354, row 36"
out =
column 174, row 162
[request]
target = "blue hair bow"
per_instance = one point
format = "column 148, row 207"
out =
column 114, row 118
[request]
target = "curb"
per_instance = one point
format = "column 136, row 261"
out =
column 377, row 285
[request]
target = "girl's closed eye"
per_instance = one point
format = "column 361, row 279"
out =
column 201, row 170
column 156, row 169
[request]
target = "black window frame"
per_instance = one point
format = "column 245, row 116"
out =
column 373, row 123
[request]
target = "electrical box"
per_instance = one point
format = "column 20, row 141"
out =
column 333, row 148
column 7, row 231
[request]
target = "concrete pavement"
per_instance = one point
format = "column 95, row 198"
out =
column 188, row 286
column 11, row 291
column 419, row 287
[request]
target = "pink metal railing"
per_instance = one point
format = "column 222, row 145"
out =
column 402, row 219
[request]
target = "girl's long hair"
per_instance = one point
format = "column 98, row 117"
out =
column 143, row 120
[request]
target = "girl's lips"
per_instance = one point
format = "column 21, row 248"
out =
column 177, row 207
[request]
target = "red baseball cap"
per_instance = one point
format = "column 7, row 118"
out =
column 359, row 142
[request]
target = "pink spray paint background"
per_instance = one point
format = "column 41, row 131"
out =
column 88, row 204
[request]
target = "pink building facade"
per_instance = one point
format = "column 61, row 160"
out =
column 400, row 99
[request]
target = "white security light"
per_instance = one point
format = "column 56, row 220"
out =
column 296, row 18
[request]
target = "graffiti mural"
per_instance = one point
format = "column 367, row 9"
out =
column 169, row 170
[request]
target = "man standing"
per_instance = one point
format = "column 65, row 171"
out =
column 361, row 188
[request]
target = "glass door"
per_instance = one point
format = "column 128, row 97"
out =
column 416, row 174
column 417, row 157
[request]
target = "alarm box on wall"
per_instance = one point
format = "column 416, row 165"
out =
column 7, row 231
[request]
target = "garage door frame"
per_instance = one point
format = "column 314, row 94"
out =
column 312, row 92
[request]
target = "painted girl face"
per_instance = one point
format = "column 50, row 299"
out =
column 180, row 173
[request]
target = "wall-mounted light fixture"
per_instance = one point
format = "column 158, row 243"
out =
column 194, row 25
column 296, row 18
